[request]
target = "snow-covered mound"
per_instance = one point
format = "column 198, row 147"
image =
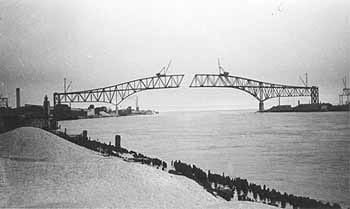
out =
column 39, row 169
column 33, row 144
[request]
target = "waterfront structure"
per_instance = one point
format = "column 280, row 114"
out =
column 101, row 110
column 91, row 111
column 27, row 115
column 4, row 102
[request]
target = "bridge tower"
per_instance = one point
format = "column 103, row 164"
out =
column 314, row 95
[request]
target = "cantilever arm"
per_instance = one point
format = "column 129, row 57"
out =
column 262, row 91
column 118, row 93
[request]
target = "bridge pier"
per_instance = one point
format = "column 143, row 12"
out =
column 261, row 106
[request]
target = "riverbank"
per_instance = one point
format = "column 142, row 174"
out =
column 218, row 185
column 39, row 169
column 321, row 107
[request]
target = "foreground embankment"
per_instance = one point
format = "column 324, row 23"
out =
column 218, row 185
column 39, row 169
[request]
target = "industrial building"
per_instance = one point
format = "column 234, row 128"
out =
column 28, row 115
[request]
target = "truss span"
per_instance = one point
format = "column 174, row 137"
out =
column 262, row 91
column 118, row 93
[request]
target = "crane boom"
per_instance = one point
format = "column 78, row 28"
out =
column 167, row 68
column 305, row 82
column 164, row 70
column 301, row 79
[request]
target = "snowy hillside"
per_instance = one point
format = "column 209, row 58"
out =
column 39, row 169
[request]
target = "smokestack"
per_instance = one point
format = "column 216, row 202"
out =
column 18, row 98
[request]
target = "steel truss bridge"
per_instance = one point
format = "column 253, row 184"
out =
column 116, row 94
column 262, row 91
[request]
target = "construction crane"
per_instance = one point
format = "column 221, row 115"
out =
column 344, row 83
column 345, row 93
column 65, row 87
column 305, row 82
column 164, row 70
column 221, row 69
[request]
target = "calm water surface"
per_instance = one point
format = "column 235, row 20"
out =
column 301, row 153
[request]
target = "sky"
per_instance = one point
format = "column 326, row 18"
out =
column 100, row 43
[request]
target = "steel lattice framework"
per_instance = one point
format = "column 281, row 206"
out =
column 346, row 95
column 118, row 93
column 262, row 91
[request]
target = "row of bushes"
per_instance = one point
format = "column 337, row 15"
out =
column 138, row 157
column 226, row 187
column 111, row 150
column 106, row 149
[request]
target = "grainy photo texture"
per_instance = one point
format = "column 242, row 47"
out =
column 175, row 104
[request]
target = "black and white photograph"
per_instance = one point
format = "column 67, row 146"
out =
column 175, row 104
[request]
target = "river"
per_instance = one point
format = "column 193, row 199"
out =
column 304, row 154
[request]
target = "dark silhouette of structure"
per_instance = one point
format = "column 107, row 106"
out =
column 18, row 98
column 46, row 107
column 28, row 115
